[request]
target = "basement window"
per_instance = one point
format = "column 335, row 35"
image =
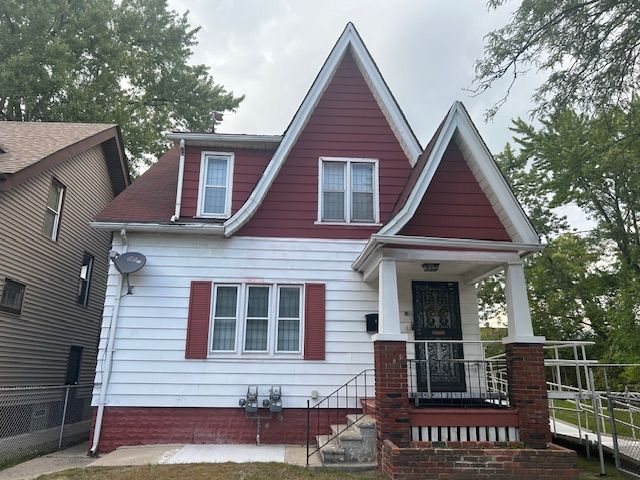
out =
column 12, row 296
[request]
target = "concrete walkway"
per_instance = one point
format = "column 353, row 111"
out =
column 74, row 457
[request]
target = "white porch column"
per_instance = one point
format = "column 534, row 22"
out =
column 388, row 306
column 520, row 329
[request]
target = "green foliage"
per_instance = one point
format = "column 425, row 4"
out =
column 589, row 48
column 124, row 62
column 581, row 286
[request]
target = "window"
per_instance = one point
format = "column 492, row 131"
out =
column 224, row 318
column 348, row 191
column 257, row 327
column 12, row 296
column 288, row 319
column 216, row 174
column 84, row 283
column 268, row 323
column 52, row 214
column 73, row 365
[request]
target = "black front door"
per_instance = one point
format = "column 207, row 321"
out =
column 436, row 316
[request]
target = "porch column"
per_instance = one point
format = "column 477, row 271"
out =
column 390, row 359
column 525, row 363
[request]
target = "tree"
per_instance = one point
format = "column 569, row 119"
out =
column 581, row 286
column 590, row 48
column 124, row 62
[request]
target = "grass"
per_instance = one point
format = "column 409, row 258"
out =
column 590, row 469
column 210, row 471
column 587, row 419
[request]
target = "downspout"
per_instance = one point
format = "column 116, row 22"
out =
column 176, row 215
column 106, row 366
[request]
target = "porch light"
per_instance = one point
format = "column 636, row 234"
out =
column 430, row 267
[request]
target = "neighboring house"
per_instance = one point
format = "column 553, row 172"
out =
column 265, row 253
column 54, row 178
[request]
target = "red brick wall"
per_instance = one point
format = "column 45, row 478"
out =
column 160, row 425
column 392, row 394
column 477, row 461
column 528, row 392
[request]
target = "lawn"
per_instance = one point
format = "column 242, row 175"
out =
column 210, row 471
column 571, row 416
column 255, row 471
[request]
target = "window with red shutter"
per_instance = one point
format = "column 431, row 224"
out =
column 314, row 321
column 198, row 320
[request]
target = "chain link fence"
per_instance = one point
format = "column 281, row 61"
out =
column 624, row 417
column 41, row 419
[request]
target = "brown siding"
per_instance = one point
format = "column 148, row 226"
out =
column 454, row 205
column 34, row 345
column 347, row 122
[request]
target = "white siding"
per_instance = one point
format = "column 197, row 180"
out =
column 149, row 368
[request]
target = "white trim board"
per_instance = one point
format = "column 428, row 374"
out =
column 349, row 40
column 459, row 123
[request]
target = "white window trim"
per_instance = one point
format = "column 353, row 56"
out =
column 229, row 186
column 299, row 319
column 213, row 317
column 348, row 192
column 239, row 351
column 58, row 213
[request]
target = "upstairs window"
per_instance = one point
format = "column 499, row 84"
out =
column 84, row 282
column 12, row 296
column 216, row 176
column 52, row 214
column 348, row 191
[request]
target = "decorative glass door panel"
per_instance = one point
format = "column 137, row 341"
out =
column 436, row 316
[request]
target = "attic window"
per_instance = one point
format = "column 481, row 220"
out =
column 216, row 182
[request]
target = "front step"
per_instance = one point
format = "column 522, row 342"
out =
column 353, row 443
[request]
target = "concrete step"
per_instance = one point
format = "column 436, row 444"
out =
column 347, row 433
column 330, row 451
column 364, row 423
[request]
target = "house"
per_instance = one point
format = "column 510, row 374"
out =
column 268, row 258
column 54, row 178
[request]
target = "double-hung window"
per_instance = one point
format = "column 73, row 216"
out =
column 261, row 320
column 348, row 191
column 53, row 211
column 216, row 180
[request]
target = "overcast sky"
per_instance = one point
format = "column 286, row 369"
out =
column 271, row 51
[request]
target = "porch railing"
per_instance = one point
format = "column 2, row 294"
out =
column 454, row 372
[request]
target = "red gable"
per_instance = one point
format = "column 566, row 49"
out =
column 347, row 122
column 454, row 205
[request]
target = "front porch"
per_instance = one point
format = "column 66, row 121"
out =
column 436, row 380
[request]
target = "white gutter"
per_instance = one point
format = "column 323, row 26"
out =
column 176, row 215
column 376, row 241
column 223, row 137
column 208, row 228
column 106, row 365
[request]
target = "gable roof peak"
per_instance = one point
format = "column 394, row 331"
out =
column 351, row 41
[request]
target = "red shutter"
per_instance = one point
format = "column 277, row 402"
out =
column 314, row 321
column 198, row 320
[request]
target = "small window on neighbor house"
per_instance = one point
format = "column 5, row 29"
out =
column 349, row 191
column 84, row 282
column 12, row 296
column 52, row 214
column 74, row 361
column 216, row 173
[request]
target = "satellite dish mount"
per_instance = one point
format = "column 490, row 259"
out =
column 127, row 263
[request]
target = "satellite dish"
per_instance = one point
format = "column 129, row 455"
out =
column 130, row 262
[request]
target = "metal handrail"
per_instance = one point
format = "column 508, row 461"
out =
column 326, row 401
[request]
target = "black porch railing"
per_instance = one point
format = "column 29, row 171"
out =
column 332, row 409
column 458, row 382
